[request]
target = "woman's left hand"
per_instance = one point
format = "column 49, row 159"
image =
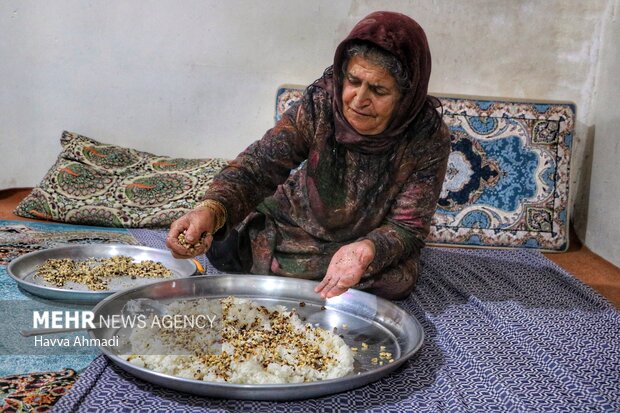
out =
column 346, row 268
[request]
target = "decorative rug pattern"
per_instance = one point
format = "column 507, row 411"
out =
column 506, row 331
column 508, row 175
column 34, row 392
column 507, row 183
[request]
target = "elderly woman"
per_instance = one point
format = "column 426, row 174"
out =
column 343, row 188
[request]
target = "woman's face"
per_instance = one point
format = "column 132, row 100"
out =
column 369, row 96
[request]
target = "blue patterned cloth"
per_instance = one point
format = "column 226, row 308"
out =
column 506, row 331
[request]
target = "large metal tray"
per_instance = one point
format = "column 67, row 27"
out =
column 23, row 270
column 358, row 316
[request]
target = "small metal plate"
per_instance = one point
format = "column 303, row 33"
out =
column 23, row 269
column 359, row 317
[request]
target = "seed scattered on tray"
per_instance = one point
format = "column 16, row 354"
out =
column 95, row 272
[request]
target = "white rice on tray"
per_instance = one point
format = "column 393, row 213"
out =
column 248, row 344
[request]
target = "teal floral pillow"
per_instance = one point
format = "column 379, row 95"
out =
column 93, row 183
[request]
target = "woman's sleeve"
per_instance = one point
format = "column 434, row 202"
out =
column 258, row 170
column 408, row 222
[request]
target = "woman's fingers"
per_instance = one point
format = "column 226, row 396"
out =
column 326, row 279
column 335, row 291
column 329, row 280
column 194, row 230
column 321, row 285
column 333, row 285
column 206, row 242
column 346, row 268
column 328, row 283
column 172, row 240
column 185, row 238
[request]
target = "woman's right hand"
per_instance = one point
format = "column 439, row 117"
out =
column 193, row 225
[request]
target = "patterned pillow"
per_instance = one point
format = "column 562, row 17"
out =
column 106, row 185
column 507, row 183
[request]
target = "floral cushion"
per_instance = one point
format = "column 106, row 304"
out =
column 94, row 183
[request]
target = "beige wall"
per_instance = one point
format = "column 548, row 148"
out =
column 598, row 221
column 198, row 78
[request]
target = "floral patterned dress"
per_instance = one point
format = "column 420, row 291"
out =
column 298, row 195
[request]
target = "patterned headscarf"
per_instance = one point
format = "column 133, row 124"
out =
column 404, row 38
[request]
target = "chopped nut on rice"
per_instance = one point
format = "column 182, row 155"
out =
column 248, row 344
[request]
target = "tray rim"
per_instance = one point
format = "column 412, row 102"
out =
column 87, row 296
column 263, row 392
